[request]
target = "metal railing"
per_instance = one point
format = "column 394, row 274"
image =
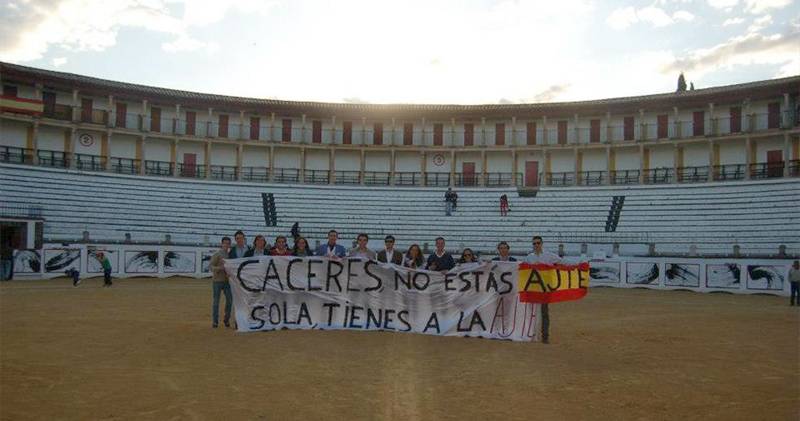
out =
column 624, row 177
column 560, row 178
column 224, row 172
column 728, row 172
column 377, row 178
column 659, row 176
column 257, row 174
column 286, row 175
column 763, row 170
column 692, row 174
column 86, row 162
column 159, row 168
column 591, row 178
column 125, row 165
column 191, row 170
column 52, row 158
column 316, row 176
column 346, row 177
column 14, row 155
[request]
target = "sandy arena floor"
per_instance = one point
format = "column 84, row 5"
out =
column 144, row 349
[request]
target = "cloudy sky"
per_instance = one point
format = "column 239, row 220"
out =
column 408, row 51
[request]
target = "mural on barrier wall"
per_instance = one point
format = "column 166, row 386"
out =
column 726, row 275
column 60, row 260
column 141, row 261
column 27, row 261
column 206, row 261
column 605, row 272
column 642, row 273
column 682, row 275
column 93, row 265
column 179, row 262
column 765, row 277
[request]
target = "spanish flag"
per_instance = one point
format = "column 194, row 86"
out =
column 552, row 283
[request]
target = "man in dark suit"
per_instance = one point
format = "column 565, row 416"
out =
column 240, row 249
column 331, row 249
column 393, row 255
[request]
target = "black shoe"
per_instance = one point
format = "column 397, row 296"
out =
column 545, row 340
column 227, row 323
column 214, row 325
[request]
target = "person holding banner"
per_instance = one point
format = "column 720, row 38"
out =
column 389, row 254
column 361, row 249
column 467, row 256
column 259, row 247
column 503, row 250
column 241, row 248
column 281, row 248
column 300, row 248
column 413, row 258
column 440, row 260
column 331, row 249
column 540, row 255
column 220, row 282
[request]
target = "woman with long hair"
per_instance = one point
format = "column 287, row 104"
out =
column 413, row 258
column 300, row 248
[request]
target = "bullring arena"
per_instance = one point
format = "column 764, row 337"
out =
column 684, row 205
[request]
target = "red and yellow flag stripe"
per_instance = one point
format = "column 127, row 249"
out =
column 552, row 283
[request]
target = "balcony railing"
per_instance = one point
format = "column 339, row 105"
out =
column 316, row 176
column 16, row 155
column 766, row 170
column 624, row 176
column 591, row 178
column 794, row 168
column 659, row 176
column 58, row 112
column 560, row 178
column 93, row 116
column 347, row 177
column 125, row 165
column 437, row 179
column 86, row 162
column 159, row 168
column 256, row 174
column 501, row 179
column 692, row 174
column 52, row 158
column 190, row 170
column 729, row 172
column 467, row 180
column 286, row 175
column 407, row 179
column 224, row 172
column 377, row 178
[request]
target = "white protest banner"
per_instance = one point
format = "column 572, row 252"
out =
column 477, row 299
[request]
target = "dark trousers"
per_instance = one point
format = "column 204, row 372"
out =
column 107, row 276
column 794, row 299
column 545, row 323
column 219, row 287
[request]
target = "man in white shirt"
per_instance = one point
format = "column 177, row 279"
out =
column 540, row 255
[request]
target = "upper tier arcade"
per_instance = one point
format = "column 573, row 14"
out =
column 734, row 132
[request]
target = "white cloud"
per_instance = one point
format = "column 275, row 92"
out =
column 622, row 18
column 656, row 17
column 32, row 27
column 732, row 21
column 753, row 48
column 59, row 61
column 759, row 6
column 722, row 4
column 760, row 23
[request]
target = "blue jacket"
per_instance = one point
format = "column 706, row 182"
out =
column 338, row 250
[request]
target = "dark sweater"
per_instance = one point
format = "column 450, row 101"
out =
column 445, row 262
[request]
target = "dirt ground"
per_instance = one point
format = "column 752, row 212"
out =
column 144, row 349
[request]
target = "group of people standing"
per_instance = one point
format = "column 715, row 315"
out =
column 413, row 258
